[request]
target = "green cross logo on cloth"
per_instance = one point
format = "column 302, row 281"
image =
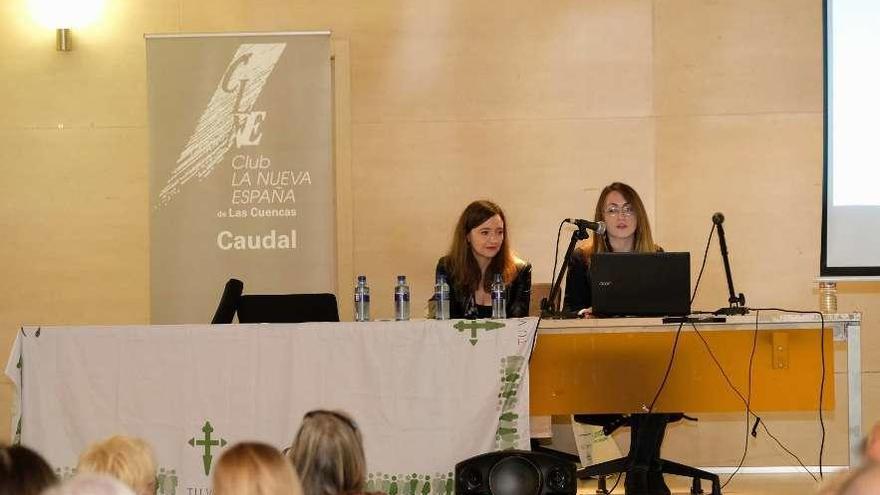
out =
column 475, row 325
column 507, row 436
column 207, row 442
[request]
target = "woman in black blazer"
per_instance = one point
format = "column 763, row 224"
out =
column 480, row 249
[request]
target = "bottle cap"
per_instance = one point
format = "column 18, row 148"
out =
column 401, row 278
column 362, row 278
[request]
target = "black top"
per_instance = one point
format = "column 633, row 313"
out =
column 578, row 292
column 518, row 292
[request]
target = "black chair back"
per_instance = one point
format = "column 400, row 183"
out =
column 228, row 302
column 273, row 308
column 287, row 308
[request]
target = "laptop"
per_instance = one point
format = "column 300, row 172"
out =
column 641, row 284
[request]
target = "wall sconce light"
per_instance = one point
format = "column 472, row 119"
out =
column 63, row 41
column 65, row 15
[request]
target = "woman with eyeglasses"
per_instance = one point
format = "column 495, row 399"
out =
column 328, row 454
column 626, row 230
column 481, row 249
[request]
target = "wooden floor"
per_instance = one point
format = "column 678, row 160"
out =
column 742, row 484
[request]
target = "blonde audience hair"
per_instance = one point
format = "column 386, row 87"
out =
column 128, row 459
column 251, row 468
column 328, row 454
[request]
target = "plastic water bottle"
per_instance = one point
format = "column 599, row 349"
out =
column 401, row 299
column 499, row 305
column 362, row 300
column 441, row 297
column 828, row 297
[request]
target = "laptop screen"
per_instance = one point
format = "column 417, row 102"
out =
column 640, row 284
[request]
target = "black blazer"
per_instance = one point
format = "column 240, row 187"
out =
column 519, row 291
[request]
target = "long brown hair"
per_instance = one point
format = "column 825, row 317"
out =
column 253, row 468
column 644, row 241
column 23, row 471
column 461, row 265
column 328, row 454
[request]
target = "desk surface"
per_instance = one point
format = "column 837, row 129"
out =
column 765, row 319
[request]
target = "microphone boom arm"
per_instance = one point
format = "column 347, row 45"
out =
column 737, row 303
column 549, row 305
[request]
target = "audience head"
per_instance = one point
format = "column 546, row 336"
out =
column 863, row 481
column 328, row 454
column 623, row 212
column 91, row 484
column 251, row 468
column 481, row 233
column 23, row 471
column 871, row 448
column 128, row 459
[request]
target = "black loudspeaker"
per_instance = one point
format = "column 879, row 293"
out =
column 515, row 472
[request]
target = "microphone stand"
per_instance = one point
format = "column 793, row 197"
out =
column 549, row 307
column 737, row 303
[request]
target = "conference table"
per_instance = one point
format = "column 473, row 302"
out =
column 425, row 394
column 617, row 365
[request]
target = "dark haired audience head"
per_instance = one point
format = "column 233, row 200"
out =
column 23, row 471
column 328, row 454
column 253, row 468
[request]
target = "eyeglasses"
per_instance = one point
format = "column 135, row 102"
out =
column 619, row 211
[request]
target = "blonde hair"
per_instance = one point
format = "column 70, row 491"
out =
column 128, row 459
column 328, row 454
column 252, row 468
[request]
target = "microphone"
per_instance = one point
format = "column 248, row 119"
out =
column 598, row 227
column 718, row 218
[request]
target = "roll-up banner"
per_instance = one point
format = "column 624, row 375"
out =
column 241, row 178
